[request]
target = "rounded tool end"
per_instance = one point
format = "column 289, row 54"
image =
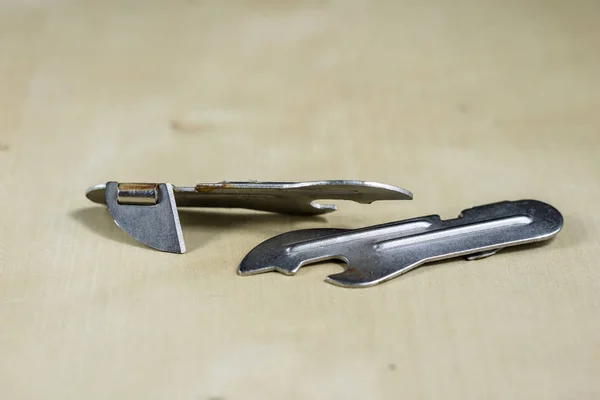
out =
column 97, row 193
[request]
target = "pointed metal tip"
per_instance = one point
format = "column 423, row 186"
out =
column 246, row 270
column 389, row 192
column 97, row 193
column 334, row 280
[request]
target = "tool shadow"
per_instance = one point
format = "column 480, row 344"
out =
column 464, row 262
column 198, row 226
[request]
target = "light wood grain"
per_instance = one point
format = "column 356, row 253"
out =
column 462, row 102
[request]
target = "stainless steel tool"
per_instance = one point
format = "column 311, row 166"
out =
column 148, row 211
column 378, row 253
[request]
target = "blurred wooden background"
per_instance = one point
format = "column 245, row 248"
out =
column 462, row 102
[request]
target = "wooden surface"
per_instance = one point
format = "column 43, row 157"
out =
column 464, row 103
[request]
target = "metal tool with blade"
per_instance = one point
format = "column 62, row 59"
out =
column 148, row 211
column 376, row 254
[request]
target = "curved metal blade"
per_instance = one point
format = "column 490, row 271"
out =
column 156, row 226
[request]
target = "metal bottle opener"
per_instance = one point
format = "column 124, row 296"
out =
column 376, row 254
column 148, row 211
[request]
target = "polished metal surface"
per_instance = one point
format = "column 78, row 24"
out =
column 137, row 193
column 282, row 197
column 148, row 211
column 156, row 226
column 376, row 254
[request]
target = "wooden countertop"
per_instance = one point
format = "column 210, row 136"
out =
column 463, row 103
